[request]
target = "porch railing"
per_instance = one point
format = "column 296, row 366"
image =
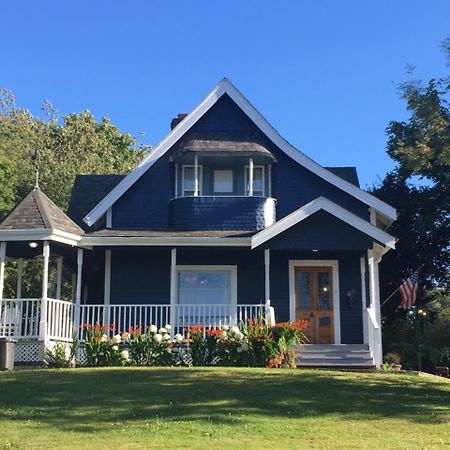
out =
column 21, row 318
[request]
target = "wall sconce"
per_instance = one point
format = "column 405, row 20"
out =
column 33, row 244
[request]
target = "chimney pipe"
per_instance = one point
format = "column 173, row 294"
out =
column 177, row 120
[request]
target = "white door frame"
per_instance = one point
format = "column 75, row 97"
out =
column 334, row 263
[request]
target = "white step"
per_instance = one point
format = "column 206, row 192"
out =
column 340, row 355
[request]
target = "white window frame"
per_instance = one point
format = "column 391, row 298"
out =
column 246, row 169
column 334, row 263
column 232, row 181
column 200, row 179
column 206, row 268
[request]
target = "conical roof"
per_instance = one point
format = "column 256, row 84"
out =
column 37, row 211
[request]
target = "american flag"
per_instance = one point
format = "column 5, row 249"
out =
column 408, row 290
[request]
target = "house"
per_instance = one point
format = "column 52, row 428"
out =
column 223, row 221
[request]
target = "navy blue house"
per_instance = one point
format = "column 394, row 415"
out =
column 224, row 220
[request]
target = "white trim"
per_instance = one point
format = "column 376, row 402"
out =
column 40, row 234
column 200, row 180
column 210, row 268
column 109, row 218
column 334, row 263
column 225, row 87
column 362, row 264
column 110, row 241
column 263, row 181
column 332, row 208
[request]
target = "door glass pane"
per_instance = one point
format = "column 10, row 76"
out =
column 204, row 288
column 324, row 291
column 304, row 289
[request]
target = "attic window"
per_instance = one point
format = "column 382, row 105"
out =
column 223, row 181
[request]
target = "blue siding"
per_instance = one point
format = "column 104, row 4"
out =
column 349, row 279
column 145, row 205
column 219, row 213
column 321, row 231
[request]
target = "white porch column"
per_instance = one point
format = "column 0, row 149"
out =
column 269, row 182
column 43, row 320
column 19, row 278
column 107, row 288
column 362, row 263
column 78, row 289
column 173, row 287
column 196, row 183
column 2, row 274
column 374, row 289
column 269, row 317
column 59, row 268
column 250, row 177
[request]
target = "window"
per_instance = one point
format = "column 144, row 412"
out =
column 188, row 180
column 207, row 286
column 258, row 180
column 223, row 181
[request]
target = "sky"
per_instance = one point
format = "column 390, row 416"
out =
column 324, row 73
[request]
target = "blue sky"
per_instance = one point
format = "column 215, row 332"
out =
column 324, row 73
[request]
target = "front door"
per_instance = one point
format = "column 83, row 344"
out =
column 314, row 302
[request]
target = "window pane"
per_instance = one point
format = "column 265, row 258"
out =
column 189, row 175
column 324, row 291
column 204, row 288
column 258, row 184
column 304, row 290
column 223, row 181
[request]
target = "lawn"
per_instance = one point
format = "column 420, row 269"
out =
column 221, row 408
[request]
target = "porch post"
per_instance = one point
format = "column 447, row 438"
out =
column 107, row 289
column 250, row 177
column 2, row 276
column 19, row 278
column 374, row 289
column 59, row 267
column 78, row 289
column 43, row 320
column 173, row 288
column 196, row 184
column 269, row 317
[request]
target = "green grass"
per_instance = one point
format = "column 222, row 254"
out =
column 221, row 408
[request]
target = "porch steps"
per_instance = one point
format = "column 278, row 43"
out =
column 335, row 356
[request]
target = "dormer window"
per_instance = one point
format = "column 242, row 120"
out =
column 188, row 181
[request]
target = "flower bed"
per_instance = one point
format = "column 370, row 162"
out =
column 252, row 344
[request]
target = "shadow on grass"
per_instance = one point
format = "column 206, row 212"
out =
column 87, row 400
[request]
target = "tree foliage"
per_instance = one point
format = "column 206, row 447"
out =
column 61, row 147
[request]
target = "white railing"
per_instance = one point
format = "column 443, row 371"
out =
column 60, row 320
column 19, row 318
column 374, row 335
column 180, row 317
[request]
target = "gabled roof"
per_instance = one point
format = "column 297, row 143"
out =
column 322, row 203
column 225, row 87
column 37, row 212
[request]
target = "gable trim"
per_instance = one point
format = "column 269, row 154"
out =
column 225, row 87
column 327, row 205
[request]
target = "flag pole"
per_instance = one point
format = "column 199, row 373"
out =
column 390, row 297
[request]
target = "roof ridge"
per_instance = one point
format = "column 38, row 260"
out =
column 41, row 208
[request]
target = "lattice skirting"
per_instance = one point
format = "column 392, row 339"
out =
column 29, row 352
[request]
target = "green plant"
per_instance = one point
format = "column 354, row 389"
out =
column 59, row 356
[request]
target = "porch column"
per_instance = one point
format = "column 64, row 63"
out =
column 196, row 184
column 59, row 268
column 173, row 287
column 19, row 278
column 78, row 289
column 107, row 289
column 374, row 289
column 43, row 320
column 269, row 317
column 250, row 177
column 2, row 276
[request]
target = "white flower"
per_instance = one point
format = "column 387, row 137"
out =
column 104, row 338
column 125, row 336
column 115, row 348
column 225, row 327
column 125, row 355
column 234, row 330
column 116, row 339
column 152, row 329
column 245, row 347
column 168, row 327
column 240, row 349
column 238, row 336
column 166, row 337
column 158, row 338
column 162, row 331
column 178, row 338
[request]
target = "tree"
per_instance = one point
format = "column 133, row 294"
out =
column 65, row 147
